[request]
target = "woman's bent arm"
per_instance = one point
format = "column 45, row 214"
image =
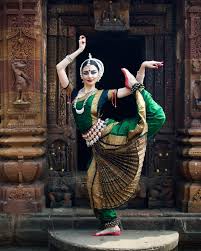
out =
column 61, row 66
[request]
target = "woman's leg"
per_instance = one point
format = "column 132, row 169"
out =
column 109, row 222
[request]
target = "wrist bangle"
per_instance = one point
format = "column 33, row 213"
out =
column 69, row 58
column 136, row 86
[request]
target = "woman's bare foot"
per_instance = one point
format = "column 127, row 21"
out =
column 130, row 80
column 115, row 231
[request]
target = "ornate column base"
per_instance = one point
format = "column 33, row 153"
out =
column 189, row 199
column 189, row 165
column 22, row 198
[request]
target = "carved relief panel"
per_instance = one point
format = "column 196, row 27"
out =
column 22, row 105
column 195, row 55
column 111, row 16
column 22, row 46
column 189, row 136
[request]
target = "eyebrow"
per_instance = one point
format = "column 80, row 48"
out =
column 86, row 71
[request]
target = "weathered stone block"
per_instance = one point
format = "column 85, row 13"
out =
column 189, row 197
column 24, row 198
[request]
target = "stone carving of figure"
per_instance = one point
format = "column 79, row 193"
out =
column 196, row 65
column 197, row 93
column 57, row 186
column 162, row 190
column 21, row 81
column 58, row 191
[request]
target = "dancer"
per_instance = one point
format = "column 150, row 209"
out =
column 118, row 147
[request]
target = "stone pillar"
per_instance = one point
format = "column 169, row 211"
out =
column 189, row 113
column 22, row 105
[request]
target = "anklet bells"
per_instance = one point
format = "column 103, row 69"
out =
column 136, row 86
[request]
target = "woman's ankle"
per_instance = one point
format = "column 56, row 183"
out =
column 115, row 230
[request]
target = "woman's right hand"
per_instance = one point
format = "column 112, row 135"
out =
column 82, row 42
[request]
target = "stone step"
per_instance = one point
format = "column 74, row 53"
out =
column 130, row 240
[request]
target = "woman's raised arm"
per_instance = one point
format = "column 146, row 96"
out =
column 61, row 66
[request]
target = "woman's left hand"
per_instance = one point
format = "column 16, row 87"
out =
column 152, row 64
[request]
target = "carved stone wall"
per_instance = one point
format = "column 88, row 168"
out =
column 23, row 93
column 189, row 134
column 23, row 104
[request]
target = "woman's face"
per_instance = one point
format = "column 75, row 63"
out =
column 90, row 75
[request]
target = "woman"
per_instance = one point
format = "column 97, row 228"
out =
column 118, row 147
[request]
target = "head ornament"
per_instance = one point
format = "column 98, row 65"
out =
column 97, row 61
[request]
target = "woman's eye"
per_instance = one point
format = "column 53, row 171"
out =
column 87, row 73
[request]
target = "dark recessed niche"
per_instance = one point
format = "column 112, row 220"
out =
column 12, row 6
column 29, row 6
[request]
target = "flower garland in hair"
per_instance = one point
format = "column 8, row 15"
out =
column 98, row 62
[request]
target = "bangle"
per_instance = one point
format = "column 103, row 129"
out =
column 136, row 86
column 69, row 58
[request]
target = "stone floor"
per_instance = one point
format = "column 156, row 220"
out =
column 129, row 240
column 32, row 228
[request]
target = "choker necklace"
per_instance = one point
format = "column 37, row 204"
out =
column 85, row 101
